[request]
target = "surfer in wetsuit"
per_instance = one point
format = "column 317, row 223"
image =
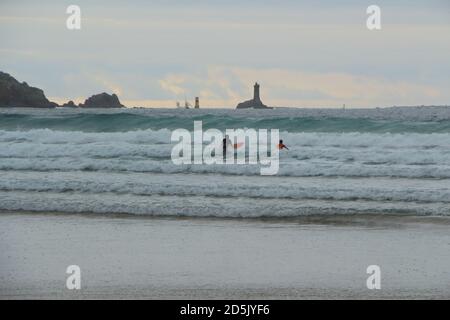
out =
column 225, row 142
column 282, row 146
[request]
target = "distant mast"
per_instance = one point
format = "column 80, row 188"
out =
column 186, row 103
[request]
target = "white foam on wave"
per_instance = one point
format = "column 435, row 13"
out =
column 352, row 139
column 380, row 189
column 198, row 206
column 310, row 154
column 115, row 172
column 48, row 136
column 300, row 169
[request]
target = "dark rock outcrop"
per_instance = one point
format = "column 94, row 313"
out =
column 16, row 94
column 102, row 100
column 69, row 104
column 254, row 103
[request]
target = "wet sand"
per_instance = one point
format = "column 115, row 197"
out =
column 125, row 257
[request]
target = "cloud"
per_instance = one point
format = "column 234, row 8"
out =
column 174, row 84
column 107, row 83
column 334, row 88
column 303, row 55
column 226, row 86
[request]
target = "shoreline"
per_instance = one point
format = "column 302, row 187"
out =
column 351, row 219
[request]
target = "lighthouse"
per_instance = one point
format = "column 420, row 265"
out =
column 254, row 103
column 256, row 92
column 197, row 103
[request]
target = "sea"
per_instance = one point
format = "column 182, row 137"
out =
column 380, row 161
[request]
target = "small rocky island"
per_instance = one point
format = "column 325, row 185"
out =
column 20, row 95
column 102, row 100
column 254, row 103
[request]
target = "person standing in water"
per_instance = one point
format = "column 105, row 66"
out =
column 282, row 146
column 225, row 142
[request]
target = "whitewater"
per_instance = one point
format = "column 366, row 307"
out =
column 354, row 161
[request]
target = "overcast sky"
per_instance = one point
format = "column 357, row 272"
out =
column 303, row 53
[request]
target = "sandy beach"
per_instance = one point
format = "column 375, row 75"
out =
column 123, row 257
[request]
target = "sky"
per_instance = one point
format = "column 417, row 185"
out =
column 303, row 53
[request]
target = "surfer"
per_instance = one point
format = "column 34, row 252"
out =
column 282, row 146
column 225, row 142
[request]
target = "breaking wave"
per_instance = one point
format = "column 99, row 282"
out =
column 290, row 120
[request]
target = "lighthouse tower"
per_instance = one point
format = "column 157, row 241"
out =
column 256, row 92
column 254, row 103
column 197, row 103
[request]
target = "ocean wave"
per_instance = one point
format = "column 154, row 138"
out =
column 349, row 189
column 286, row 120
column 199, row 206
column 167, row 167
column 120, row 162
column 162, row 136
column 311, row 154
